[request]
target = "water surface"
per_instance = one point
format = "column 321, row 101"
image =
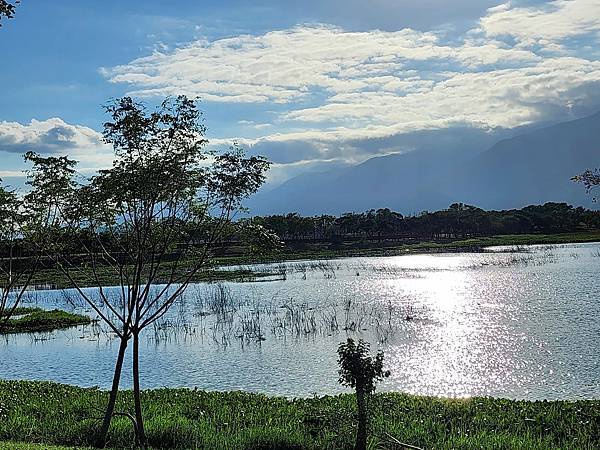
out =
column 516, row 323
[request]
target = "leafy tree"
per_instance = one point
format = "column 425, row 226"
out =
column 459, row 220
column 360, row 371
column 17, row 267
column 259, row 241
column 154, row 217
column 29, row 225
column 387, row 222
column 590, row 179
column 7, row 10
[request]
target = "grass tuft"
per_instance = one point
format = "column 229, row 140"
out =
column 35, row 320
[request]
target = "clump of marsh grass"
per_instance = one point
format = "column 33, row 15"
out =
column 215, row 314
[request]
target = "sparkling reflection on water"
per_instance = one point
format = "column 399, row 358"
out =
column 516, row 323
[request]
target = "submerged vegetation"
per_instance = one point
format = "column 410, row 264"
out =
column 51, row 413
column 215, row 314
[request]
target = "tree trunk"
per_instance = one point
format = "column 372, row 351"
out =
column 110, row 408
column 361, row 434
column 136, row 392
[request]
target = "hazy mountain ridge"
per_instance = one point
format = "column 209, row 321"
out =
column 529, row 168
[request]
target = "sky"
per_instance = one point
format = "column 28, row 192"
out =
column 312, row 85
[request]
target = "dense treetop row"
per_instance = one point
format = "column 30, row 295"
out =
column 458, row 221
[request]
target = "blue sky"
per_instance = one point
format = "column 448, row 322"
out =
column 313, row 85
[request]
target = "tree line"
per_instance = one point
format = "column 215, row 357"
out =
column 457, row 221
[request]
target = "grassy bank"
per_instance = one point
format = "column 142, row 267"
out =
column 24, row 446
column 42, row 412
column 20, row 311
column 30, row 320
column 55, row 279
column 350, row 249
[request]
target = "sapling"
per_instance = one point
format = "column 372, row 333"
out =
column 360, row 371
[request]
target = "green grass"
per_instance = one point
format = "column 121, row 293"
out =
column 108, row 277
column 181, row 418
column 530, row 239
column 23, row 446
column 36, row 319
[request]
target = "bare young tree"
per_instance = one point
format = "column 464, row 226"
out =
column 151, row 219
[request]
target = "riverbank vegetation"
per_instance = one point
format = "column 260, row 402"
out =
column 164, row 215
column 323, row 251
column 54, row 278
column 49, row 413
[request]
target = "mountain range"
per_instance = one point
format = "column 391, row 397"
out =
column 523, row 167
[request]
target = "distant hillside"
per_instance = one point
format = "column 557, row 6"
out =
column 532, row 168
column 535, row 167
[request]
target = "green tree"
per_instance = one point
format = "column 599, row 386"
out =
column 7, row 10
column 590, row 179
column 360, row 371
column 153, row 217
column 17, row 265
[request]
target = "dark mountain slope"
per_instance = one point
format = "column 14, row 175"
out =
column 533, row 167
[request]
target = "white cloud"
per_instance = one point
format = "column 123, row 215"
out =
column 55, row 136
column 505, row 98
column 10, row 174
column 546, row 23
column 287, row 66
column 46, row 136
column 377, row 83
column 336, row 89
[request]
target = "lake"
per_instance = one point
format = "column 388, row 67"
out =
column 508, row 322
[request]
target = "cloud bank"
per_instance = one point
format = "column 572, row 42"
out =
column 402, row 77
column 339, row 97
column 54, row 136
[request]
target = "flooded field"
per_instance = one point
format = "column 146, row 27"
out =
column 509, row 322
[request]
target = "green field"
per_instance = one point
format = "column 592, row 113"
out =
column 54, row 414
column 108, row 277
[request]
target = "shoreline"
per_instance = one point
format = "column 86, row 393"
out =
column 452, row 246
